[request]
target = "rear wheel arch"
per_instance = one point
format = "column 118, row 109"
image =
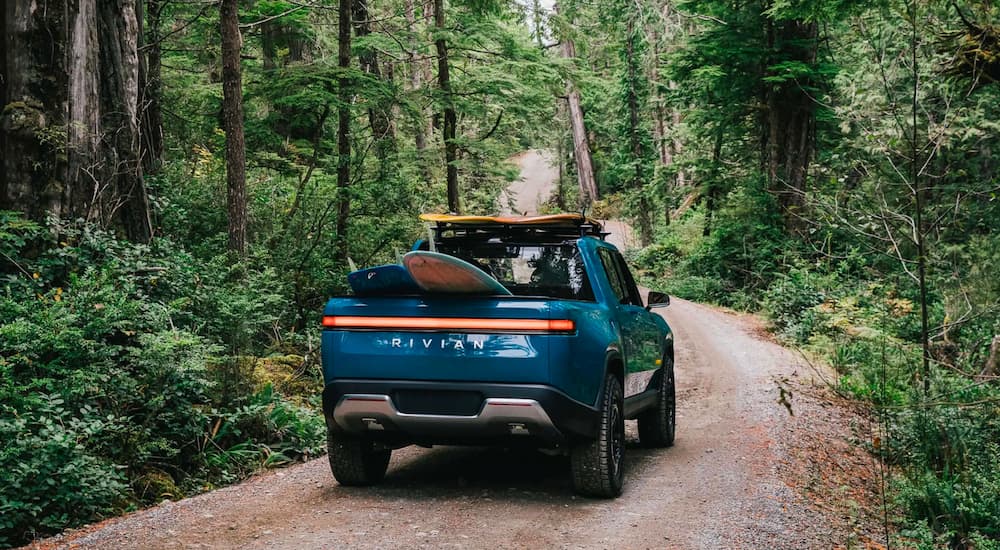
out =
column 615, row 365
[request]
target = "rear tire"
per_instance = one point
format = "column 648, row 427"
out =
column 599, row 466
column 356, row 461
column 657, row 425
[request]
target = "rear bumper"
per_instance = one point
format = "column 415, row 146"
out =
column 457, row 413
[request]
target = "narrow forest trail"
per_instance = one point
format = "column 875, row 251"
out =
column 744, row 473
column 535, row 186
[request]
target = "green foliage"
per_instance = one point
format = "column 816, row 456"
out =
column 49, row 478
column 105, row 348
column 954, row 457
column 790, row 301
column 745, row 250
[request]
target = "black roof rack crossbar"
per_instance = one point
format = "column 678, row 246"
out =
column 444, row 231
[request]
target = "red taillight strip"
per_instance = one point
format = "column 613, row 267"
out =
column 448, row 323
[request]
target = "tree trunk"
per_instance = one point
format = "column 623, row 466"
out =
column 561, row 159
column 379, row 111
column 119, row 28
column 791, row 120
column 581, row 150
column 659, row 109
column 712, row 185
column 416, row 80
column 70, row 139
column 677, row 147
column 33, row 175
column 151, row 89
column 268, row 45
column 232, row 114
column 450, row 119
column 992, row 367
column 635, row 137
column 343, row 127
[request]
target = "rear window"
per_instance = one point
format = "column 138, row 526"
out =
column 554, row 271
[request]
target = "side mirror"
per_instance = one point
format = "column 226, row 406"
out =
column 657, row 299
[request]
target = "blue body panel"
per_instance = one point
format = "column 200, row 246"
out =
column 575, row 364
column 382, row 280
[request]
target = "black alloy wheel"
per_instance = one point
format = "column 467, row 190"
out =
column 598, row 466
column 658, row 425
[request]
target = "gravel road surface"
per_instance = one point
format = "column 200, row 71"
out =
column 727, row 483
column 534, row 187
column 745, row 471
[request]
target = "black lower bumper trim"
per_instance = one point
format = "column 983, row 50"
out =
column 572, row 420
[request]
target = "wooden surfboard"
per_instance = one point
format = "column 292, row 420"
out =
column 551, row 219
column 444, row 274
column 383, row 280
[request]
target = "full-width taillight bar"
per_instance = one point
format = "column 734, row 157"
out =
column 448, row 323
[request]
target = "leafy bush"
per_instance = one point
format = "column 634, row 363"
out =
column 49, row 477
column 109, row 396
column 790, row 301
column 734, row 264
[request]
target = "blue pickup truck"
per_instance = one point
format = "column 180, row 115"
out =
column 559, row 364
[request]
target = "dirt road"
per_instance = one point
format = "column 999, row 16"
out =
column 744, row 473
column 535, row 185
column 727, row 483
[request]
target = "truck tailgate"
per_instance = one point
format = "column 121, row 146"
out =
column 471, row 339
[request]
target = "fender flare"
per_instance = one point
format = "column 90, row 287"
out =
column 614, row 363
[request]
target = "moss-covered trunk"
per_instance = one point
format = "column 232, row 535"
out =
column 70, row 142
column 790, row 120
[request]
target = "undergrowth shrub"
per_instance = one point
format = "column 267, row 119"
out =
column 860, row 313
column 731, row 266
column 790, row 301
column 50, row 479
column 108, row 394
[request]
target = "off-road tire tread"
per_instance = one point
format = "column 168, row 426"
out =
column 355, row 461
column 656, row 429
column 591, row 461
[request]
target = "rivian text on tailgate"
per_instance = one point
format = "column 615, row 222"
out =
column 500, row 332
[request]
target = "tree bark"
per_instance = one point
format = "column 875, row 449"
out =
column 33, row 178
column 343, row 127
column 268, row 45
column 416, row 80
column 380, row 110
column 659, row 109
column 712, row 185
column 151, row 98
column 232, row 114
column 581, row 149
column 450, row 119
column 70, row 139
column 636, row 136
column 790, row 124
column 992, row 367
column 677, row 147
column 119, row 28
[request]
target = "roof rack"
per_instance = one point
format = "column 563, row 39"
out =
column 553, row 227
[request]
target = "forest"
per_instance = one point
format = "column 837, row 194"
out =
column 183, row 183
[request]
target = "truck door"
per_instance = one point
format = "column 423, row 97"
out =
column 637, row 328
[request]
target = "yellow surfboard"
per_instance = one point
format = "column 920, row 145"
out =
column 551, row 219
